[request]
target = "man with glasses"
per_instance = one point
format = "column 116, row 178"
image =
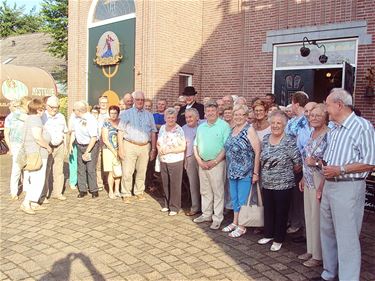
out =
column 137, row 145
column 55, row 125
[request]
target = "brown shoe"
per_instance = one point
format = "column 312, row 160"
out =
column 305, row 256
column 312, row 263
column 127, row 200
column 141, row 197
column 191, row 213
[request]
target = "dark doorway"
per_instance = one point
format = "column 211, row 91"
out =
column 317, row 83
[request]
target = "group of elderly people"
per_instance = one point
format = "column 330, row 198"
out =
column 222, row 147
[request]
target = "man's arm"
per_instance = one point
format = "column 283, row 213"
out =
column 153, row 146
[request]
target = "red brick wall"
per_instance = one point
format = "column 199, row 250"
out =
column 219, row 42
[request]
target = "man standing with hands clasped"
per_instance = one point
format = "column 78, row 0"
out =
column 209, row 153
column 348, row 159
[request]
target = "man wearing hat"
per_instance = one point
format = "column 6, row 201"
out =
column 189, row 93
column 55, row 125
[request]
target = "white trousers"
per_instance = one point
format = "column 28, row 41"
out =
column 212, row 191
column 16, row 171
column 33, row 182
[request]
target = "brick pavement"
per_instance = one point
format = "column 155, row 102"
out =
column 105, row 239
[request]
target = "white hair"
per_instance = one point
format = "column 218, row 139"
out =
column 81, row 106
column 138, row 94
column 339, row 94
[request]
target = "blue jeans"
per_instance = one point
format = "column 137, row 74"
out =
column 239, row 192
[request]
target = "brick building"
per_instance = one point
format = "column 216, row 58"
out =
column 240, row 47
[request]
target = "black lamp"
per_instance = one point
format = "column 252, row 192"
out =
column 305, row 51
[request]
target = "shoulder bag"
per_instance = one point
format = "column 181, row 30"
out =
column 252, row 214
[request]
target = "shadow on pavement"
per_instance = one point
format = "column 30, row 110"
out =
column 61, row 269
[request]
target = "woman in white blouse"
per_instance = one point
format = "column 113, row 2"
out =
column 171, row 146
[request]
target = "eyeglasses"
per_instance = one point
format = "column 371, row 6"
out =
column 53, row 107
column 140, row 99
column 317, row 116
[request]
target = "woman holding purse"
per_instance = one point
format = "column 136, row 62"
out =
column 34, row 142
column 312, row 183
column 110, row 158
column 242, row 151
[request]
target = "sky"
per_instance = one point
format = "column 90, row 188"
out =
column 29, row 4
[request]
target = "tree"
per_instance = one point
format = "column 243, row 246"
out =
column 55, row 16
column 14, row 21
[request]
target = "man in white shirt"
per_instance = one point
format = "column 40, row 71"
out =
column 55, row 125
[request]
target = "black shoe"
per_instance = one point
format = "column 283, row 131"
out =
column 95, row 194
column 299, row 239
column 81, row 194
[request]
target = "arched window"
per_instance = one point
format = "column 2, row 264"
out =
column 109, row 9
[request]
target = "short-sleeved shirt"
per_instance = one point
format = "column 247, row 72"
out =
column 55, row 126
column 85, row 128
column 112, row 134
column 169, row 140
column 137, row 125
column 31, row 146
column 277, row 163
column 239, row 155
column 314, row 148
column 15, row 122
column 298, row 128
column 353, row 141
column 210, row 138
column 190, row 133
column 159, row 118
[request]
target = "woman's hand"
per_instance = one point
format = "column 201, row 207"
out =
column 301, row 185
column 255, row 178
column 310, row 161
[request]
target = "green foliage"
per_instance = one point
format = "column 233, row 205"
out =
column 55, row 16
column 14, row 21
column 63, row 103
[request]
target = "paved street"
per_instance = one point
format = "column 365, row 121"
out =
column 105, row 239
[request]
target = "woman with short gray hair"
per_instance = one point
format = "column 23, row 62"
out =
column 171, row 146
column 280, row 157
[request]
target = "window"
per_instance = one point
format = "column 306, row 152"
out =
column 107, row 9
column 184, row 81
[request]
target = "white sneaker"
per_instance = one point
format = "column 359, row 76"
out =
column 172, row 213
column 215, row 225
column 164, row 210
column 264, row 241
column 276, row 246
column 201, row 219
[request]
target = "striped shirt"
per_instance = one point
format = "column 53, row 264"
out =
column 351, row 142
column 137, row 125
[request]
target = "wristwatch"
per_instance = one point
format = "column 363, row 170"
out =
column 342, row 170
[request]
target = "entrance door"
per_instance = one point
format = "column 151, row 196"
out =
column 348, row 77
column 289, row 81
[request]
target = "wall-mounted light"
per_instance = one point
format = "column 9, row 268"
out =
column 305, row 51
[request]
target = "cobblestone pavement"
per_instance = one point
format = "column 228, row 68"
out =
column 105, row 239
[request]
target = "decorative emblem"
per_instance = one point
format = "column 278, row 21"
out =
column 108, row 49
column 14, row 89
column 108, row 56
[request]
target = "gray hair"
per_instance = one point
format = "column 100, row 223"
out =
column 138, row 94
column 81, row 106
column 239, row 107
column 239, row 100
column 170, row 111
column 339, row 94
column 192, row 110
column 211, row 103
column 278, row 113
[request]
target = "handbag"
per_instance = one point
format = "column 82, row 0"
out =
column 116, row 168
column 252, row 214
column 28, row 162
